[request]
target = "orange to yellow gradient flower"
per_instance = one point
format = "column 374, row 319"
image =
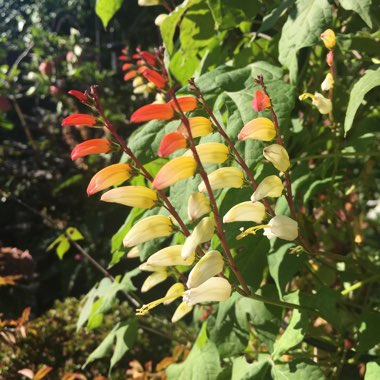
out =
column 260, row 101
column 93, row 146
column 109, row 176
column 175, row 170
column 260, row 128
column 210, row 153
column 171, row 143
column 328, row 38
column 200, row 126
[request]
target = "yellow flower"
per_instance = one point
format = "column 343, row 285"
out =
column 202, row 232
column 132, row 196
column 148, row 3
column 327, row 83
column 181, row 311
column 158, row 21
column 133, row 253
column 154, row 279
column 170, row 256
column 200, row 126
column 210, row 153
column 328, row 38
column 148, row 228
column 323, row 104
column 245, row 212
column 224, row 178
column 278, row 156
column 215, row 289
column 197, row 206
column 208, row 266
column 260, row 128
column 270, row 186
column 175, row 170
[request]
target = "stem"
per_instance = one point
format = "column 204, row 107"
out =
column 213, row 204
column 230, row 144
column 359, row 284
column 286, row 305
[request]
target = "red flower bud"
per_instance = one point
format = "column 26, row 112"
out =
column 126, row 66
column 155, row 78
column 79, row 95
column 130, row 74
column 79, row 119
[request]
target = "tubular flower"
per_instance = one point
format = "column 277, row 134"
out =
column 173, row 293
column 153, row 112
column 210, row 153
column 216, row 289
column 202, row 232
column 133, row 253
column 170, row 256
column 278, row 156
column 328, row 38
column 260, row 101
column 154, row 77
column 200, row 126
column 171, row 143
column 93, row 146
column 82, row 97
column 175, row 170
column 270, row 186
column 224, row 178
column 260, row 128
column 80, row 120
column 126, row 66
column 148, row 228
column 158, row 21
column 148, row 3
column 132, row 196
column 279, row 226
column 197, row 206
column 146, row 267
column 181, row 311
column 323, row 104
column 109, row 176
column 330, row 58
column 327, row 83
column 208, row 266
column 149, row 58
column 154, row 279
column 186, row 103
column 130, row 74
column 245, row 212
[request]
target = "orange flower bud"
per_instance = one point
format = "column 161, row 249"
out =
column 79, row 95
column 126, row 66
column 153, row 112
column 130, row 74
column 330, row 58
column 94, row 146
column 171, row 143
column 155, row 77
column 260, row 101
column 80, row 120
column 149, row 58
column 109, row 176
column 186, row 103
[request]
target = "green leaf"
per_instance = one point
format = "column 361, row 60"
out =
column 297, row 369
column 242, row 370
column 372, row 371
column 106, row 9
column 203, row 362
column 361, row 7
column 369, row 333
column 125, row 336
column 370, row 80
column 293, row 335
column 230, row 13
column 272, row 18
column 304, row 25
column 74, row 233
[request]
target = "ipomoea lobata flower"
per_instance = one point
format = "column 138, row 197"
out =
column 330, row 58
column 149, row 3
column 157, row 79
column 153, row 112
column 279, row 226
column 278, row 156
column 93, row 146
column 197, row 206
column 210, row 153
column 327, row 83
column 328, row 38
column 260, row 101
column 208, row 266
column 154, row 279
column 245, row 212
column 186, row 103
column 133, row 253
column 270, row 186
column 175, row 170
column 200, row 126
column 323, row 104
column 202, row 232
column 147, row 229
column 132, row 196
column 171, row 143
column 158, row 21
column 181, row 311
column 79, row 120
column 82, row 97
column 224, row 178
column 170, row 256
column 260, row 128
column 216, row 289
column 109, row 176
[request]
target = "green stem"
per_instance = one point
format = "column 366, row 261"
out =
column 359, row 284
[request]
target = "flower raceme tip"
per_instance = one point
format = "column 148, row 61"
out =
column 109, row 176
column 93, row 146
column 260, row 101
column 79, row 120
